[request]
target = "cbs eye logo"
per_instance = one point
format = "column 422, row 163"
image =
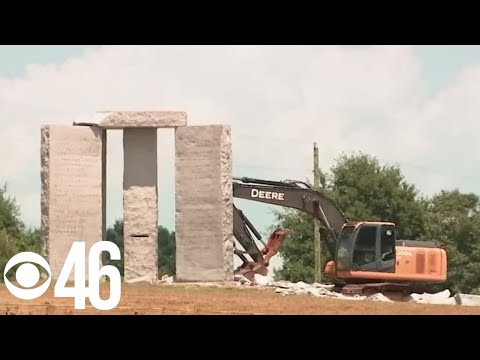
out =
column 27, row 275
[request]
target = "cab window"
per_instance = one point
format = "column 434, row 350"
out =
column 364, row 250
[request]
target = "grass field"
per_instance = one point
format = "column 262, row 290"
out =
column 184, row 299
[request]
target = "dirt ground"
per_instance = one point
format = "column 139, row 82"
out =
column 138, row 299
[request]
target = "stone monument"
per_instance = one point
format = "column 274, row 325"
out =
column 73, row 200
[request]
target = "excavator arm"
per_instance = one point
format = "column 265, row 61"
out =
column 261, row 258
column 291, row 194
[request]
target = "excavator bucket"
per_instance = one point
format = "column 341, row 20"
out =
column 273, row 244
column 250, row 268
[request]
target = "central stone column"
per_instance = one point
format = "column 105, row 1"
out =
column 140, row 204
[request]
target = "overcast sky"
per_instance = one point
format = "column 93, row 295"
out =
column 415, row 106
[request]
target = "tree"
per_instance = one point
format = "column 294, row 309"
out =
column 166, row 252
column 8, row 248
column 453, row 219
column 364, row 190
column 10, row 220
column 115, row 235
column 15, row 237
column 166, row 248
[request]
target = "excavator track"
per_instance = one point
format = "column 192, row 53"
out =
column 387, row 289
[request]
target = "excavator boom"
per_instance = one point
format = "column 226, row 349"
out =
column 296, row 195
column 291, row 194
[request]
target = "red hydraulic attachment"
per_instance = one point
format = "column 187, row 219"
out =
column 271, row 248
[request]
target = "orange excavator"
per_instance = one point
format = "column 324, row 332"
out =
column 366, row 256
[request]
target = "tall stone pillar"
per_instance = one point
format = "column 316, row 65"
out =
column 72, row 203
column 204, row 203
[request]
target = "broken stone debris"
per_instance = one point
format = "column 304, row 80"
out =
column 142, row 279
column 326, row 291
column 318, row 290
column 166, row 279
column 442, row 298
column 466, row 299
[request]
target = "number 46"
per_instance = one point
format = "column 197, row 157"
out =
column 76, row 262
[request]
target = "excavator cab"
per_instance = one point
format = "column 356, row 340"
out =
column 371, row 251
column 366, row 246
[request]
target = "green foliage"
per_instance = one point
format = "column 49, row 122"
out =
column 8, row 248
column 166, row 249
column 453, row 219
column 166, row 252
column 115, row 235
column 31, row 241
column 365, row 190
column 298, row 247
column 10, row 215
column 15, row 237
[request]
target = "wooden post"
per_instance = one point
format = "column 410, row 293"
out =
column 317, row 240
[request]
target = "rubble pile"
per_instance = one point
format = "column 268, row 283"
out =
column 326, row 291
